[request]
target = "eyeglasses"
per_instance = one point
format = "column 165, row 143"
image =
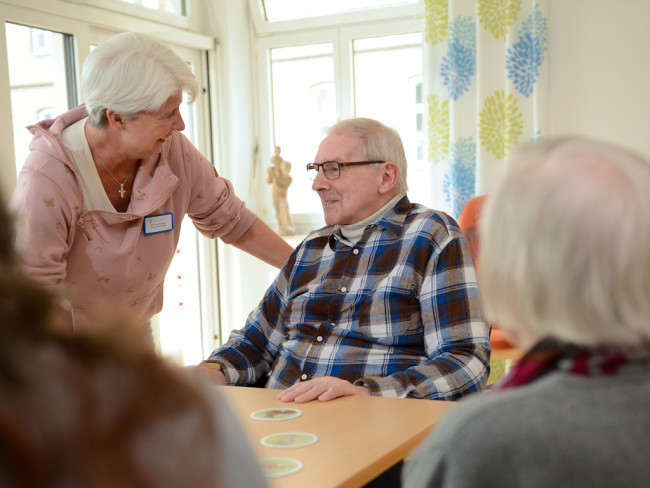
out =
column 332, row 169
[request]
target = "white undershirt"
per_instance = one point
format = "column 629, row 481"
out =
column 74, row 139
column 353, row 232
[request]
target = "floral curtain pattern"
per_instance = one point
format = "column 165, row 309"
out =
column 485, row 84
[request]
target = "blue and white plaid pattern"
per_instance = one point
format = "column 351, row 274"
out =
column 398, row 312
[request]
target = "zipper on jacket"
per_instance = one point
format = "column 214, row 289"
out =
column 81, row 224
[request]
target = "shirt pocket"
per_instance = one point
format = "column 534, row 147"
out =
column 391, row 310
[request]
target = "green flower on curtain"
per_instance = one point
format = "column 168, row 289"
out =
column 459, row 182
column 498, row 15
column 527, row 54
column 500, row 124
column 436, row 15
column 438, row 128
column 458, row 68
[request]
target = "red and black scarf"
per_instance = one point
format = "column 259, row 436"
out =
column 551, row 355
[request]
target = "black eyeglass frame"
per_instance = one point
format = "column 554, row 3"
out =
column 318, row 166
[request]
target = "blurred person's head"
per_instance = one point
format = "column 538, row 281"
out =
column 132, row 73
column 92, row 410
column 24, row 308
column 565, row 249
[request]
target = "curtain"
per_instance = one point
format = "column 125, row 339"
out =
column 485, row 84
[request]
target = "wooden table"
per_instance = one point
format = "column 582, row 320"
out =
column 359, row 437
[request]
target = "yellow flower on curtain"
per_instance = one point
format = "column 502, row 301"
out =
column 500, row 124
column 498, row 15
column 436, row 13
column 438, row 128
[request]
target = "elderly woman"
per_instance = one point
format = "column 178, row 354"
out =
column 102, row 195
column 565, row 270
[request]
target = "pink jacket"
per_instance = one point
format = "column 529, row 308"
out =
column 96, row 256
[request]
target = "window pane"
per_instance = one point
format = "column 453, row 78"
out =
column 400, row 90
column 38, row 78
column 304, row 107
column 172, row 6
column 179, row 322
column 277, row 10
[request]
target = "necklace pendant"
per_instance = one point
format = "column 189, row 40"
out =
column 122, row 190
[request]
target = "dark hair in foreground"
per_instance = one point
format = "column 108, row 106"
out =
column 91, row 410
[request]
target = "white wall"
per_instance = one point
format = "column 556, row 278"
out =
column 600, row 70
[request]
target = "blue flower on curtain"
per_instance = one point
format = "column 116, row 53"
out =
column 525, row 57
column 458, row 68
column 458, row 184
column 523, row 62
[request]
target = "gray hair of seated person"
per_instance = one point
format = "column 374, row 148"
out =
column 132, row 73
column 378, row 143
column 565, row 249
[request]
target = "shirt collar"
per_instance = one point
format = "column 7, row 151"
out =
column 390, row 217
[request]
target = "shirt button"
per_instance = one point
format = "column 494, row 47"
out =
column 319, row 338
column 355, row 251
column 303, row 376
column 344, row 289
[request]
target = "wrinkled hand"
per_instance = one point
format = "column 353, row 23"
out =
column 325, row 389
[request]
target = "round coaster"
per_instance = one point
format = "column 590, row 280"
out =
column 286, row 440
column 275, row 467
column 276, row 414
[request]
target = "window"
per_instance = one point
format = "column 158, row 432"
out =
column 41, row 80
column 304, row 105
column 178, row 327
column 41, row 42
column 171, row 6
column 389, row 68
column 317, row 78
column 277, row 10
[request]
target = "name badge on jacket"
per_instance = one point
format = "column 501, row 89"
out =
column 155, row 224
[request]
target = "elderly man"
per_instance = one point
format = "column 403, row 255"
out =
column 384, row 300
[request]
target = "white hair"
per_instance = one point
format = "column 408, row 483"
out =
column 131, row 73
column 565, row 249
column 378, row 143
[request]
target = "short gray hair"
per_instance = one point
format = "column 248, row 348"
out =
column 378, row 142
column 131, row 73
column 565, row 249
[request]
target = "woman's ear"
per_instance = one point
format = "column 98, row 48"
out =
column 389, row 173
column 115, row 120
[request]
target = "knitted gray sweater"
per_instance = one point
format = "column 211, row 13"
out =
column 559, row 431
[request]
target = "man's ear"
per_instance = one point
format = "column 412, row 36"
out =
column 115, row 120
column 389, row 173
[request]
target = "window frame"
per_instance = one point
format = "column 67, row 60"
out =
column 342, row 39
column 387, row 14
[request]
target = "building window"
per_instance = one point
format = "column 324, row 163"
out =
column 40, row 75
column 41, row 42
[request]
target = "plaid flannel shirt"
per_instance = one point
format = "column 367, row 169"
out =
column 398, row 312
